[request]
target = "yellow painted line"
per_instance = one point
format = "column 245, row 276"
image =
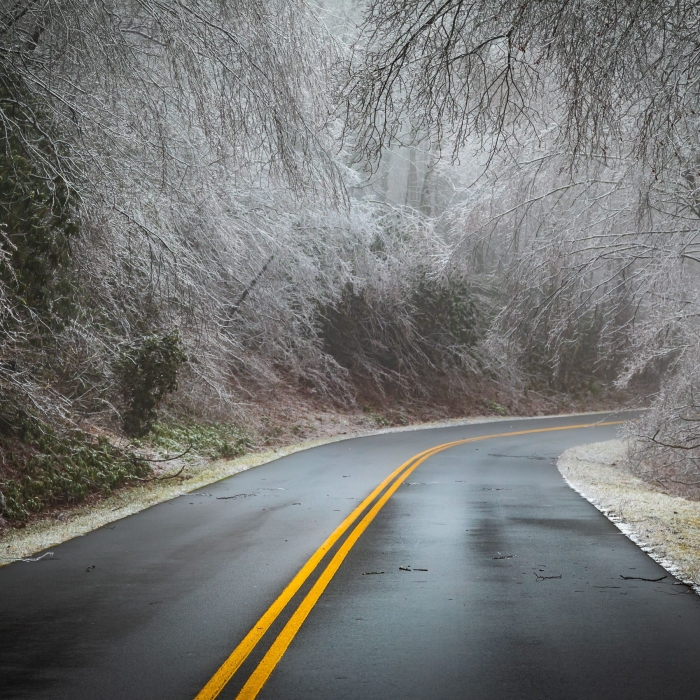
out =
column 219, row 680
column 259, row 677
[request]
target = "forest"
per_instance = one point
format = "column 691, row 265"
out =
column 215, row 212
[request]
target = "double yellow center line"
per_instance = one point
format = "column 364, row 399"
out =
column 259, row 677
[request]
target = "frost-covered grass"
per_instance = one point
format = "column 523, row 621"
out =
column 218, row 441
column 666, row 527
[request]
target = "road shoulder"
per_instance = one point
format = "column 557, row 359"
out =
column 39, row 536
column 666, row 527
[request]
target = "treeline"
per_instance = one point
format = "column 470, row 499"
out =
column 192, row 221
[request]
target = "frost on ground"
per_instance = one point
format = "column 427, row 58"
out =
column 48, row 532
column 666, row 527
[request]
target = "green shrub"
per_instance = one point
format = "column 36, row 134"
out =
column 570, row 356
column 349, row 331
column 445, row 314
column 430, row 327
column 497, row 408
column 146, row 372
column 46, row 468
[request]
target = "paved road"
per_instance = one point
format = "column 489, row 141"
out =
column 522, row 597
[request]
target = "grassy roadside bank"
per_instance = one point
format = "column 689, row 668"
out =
column 666, row 527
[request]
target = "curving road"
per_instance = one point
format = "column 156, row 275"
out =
column 473, row 572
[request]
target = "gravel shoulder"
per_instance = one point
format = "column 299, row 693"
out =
column 665, row 527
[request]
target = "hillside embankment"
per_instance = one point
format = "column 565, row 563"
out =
column 46, row 471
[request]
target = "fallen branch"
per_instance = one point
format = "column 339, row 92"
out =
column 161, row 478
column 168, row 459
column 639, row 578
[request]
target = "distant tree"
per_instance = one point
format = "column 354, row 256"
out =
column 588, row 114
column 483, row 66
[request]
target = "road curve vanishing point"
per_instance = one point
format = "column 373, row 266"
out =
column 262, row 672
column 488, row 578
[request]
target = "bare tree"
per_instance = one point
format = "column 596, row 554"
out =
column 481, row 68
column 182, row 138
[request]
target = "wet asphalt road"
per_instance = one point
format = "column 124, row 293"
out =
column 522, row 597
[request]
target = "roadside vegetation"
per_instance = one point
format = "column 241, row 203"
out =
column 44, row 468
column 221, row 441
column 218, row 217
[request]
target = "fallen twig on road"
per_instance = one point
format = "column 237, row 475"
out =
column 639, row 578
column 163, row 478
column 238, row 495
